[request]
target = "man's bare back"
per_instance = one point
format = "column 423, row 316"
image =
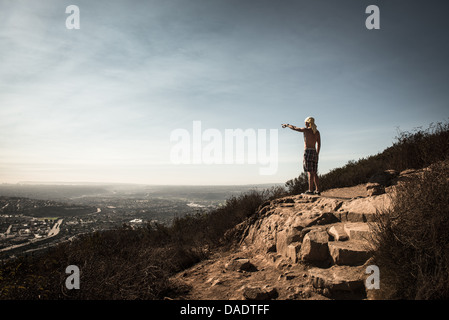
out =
column 311, row 140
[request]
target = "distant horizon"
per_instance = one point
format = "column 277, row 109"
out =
column 99, row 183
column 87, row 183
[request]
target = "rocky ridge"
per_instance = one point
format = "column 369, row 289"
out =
column 299, row 247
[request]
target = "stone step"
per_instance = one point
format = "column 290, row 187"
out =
column 314, row 246
column 338, row 232
column 358, row 231
column 349, row 216
column 350, row 230
column 351, row 252
column 338, row 281
column 340, row 243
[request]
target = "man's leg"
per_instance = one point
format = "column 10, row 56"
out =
column 311, row 178
column 315, row 180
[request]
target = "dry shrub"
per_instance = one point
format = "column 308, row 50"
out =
column 115, row 264
column 412, row 238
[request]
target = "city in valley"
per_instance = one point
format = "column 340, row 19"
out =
column 37, row 216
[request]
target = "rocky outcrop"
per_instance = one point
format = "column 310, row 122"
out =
column 310, row 222
column 300, row 247
column 330, row 234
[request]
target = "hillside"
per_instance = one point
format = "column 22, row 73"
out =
column 298, row 247
column 304, row 247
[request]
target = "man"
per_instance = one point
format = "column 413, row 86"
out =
column 311, row 139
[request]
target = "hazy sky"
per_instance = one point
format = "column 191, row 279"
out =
column 100, row 103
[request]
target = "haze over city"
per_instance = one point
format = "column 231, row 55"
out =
column 100, row 103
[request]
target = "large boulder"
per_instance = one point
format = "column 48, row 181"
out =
column 286, row 237
column 314, row 246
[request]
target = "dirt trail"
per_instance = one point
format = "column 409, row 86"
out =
column 212, row 280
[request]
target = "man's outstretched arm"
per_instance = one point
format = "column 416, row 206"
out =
column 293, row 127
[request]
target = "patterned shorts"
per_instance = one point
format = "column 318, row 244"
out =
column 310, row 162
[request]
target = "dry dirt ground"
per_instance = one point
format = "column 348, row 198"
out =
column 346, row 193
column 212, row 280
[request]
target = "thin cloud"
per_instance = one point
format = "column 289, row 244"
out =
column 111, row 92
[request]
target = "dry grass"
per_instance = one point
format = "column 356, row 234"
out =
column 412, row 238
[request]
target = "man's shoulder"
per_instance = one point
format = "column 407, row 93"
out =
column 308, row 130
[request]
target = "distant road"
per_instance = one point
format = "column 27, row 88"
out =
column 56, row 228
column 53, row 232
